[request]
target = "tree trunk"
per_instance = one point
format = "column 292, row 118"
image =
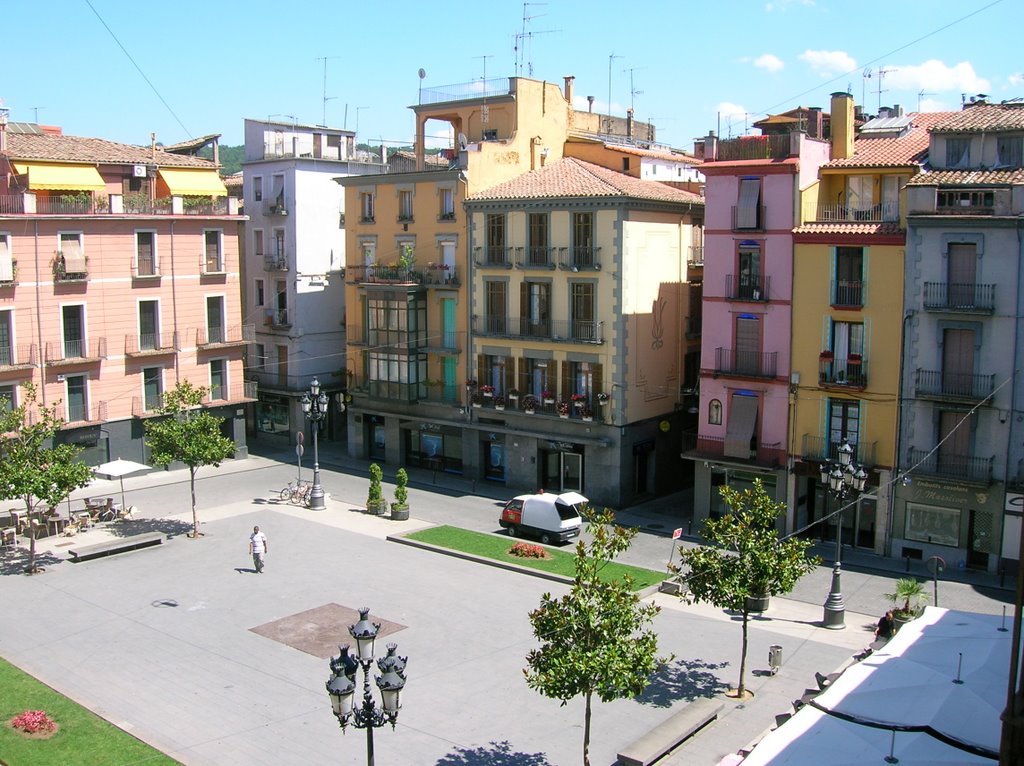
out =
column 195, row 518
column 741, row 688
column 31, row 567
column 586, row 731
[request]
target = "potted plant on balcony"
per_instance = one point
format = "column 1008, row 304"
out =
column 912, row 594
column 578, row 400
column 400, row 508
column 375, row 502
column 826, row 356
column 476, row 400
column 602, row 398
column 530, row 405
column 586, row 413
column 853, row 359
column 513, row 395
column 499, row 403
column 470, row 384
column 487, row 391
column 563, row 409
column 548, row 397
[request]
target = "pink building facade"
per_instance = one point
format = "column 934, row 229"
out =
column 119, row 277
column 751, row 193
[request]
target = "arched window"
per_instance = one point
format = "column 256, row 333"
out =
column 715, row 412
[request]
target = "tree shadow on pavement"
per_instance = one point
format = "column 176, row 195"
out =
column 683, row 679
column 497, row 754
column 170, row 527
column 14, row 562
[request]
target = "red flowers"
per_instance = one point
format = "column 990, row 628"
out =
column 33, row 722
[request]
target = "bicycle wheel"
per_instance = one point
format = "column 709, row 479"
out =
column 296, row 497
column 286, row 493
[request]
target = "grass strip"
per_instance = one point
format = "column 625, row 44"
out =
column 84, row 738
column 497, row 546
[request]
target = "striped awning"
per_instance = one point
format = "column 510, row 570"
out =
column 52, row 177
column 192, row 182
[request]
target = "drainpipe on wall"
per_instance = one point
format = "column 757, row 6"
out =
column 891, row 502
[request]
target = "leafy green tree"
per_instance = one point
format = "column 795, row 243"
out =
column 595, row 639
column 32, row 468
column 188, row 434
column 748, row 559
column 375, row 494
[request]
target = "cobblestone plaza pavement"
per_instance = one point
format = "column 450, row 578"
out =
column 186, row 648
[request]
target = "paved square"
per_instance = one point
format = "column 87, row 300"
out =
column 317, row 631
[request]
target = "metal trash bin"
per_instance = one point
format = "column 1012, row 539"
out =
column 774, row 658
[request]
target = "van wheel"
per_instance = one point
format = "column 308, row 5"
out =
column 511, row 530
column 546, row 539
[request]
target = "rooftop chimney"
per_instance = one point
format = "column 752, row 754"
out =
column 814, row 122
column 590, row 104
column 568, row 88
column 842, row 126
column 4, row 111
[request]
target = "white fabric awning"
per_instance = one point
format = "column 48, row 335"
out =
column 742, row 419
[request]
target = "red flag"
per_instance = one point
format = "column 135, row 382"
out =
column 677, row 534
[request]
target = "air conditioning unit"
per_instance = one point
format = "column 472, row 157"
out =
column 60, row 378
column 138, row 171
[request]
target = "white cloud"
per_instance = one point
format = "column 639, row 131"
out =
column 770, row 62
column 828, row 63
column 937, row 105
column 1016, row 79
column 934, row 75
column 784, row 5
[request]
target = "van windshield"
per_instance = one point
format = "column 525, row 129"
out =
column 566, row 512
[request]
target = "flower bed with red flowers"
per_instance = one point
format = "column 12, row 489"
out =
column 528, row 551
column 34, row 723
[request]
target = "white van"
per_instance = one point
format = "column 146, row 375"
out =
column 552, row 518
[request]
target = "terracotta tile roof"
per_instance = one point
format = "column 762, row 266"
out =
column 46, row 148
column 659, row 154
column 990, row 117
column 1005, row 177
column 849, row 227
column 888, row 151
column 570, row 177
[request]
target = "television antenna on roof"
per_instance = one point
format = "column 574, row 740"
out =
column 633, row 92
column 325, row 96
column 920, row 96
column 524, row 37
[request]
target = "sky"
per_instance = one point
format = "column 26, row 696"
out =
column 124, row 70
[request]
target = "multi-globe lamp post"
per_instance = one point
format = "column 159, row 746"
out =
column 314, row 405
column 843, row 480
column 342, row 685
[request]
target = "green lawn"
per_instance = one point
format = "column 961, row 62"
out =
column 497, row 546
column 84, row 739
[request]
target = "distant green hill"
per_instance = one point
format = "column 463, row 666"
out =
column 230, row 158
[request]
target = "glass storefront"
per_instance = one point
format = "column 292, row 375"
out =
column 436, row 447
column 272, row 415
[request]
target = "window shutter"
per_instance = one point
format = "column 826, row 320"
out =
column 481, row 369
column 566, row 381
column 524, row 304
column 524, row 378
column 598, row 380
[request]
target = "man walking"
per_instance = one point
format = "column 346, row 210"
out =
column 258, row 548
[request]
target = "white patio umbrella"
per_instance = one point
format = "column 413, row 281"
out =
column 118, row 469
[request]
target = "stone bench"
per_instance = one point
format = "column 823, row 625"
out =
column 670, row 732
column 130, row 543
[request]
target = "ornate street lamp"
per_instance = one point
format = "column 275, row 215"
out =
column 314, row 405
column 342, row 685
column 843, row 480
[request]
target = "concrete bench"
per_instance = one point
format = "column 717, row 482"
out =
column 670, row 732
column 130, row 543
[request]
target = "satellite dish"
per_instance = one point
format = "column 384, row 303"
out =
column 462, row 142
column 422, row 73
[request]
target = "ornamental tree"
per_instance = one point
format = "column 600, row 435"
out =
column 33, row 468
column 595, row 639
column 746, row 558
column 187, row 434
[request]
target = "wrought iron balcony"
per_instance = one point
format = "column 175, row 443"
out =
column 225, row 336
column 145, row 267
column 882, row 212
column 713, row 448
column 216, row 395
column 276, row 262
column 18, row 357
column 82, row 414
column 493, row 257
column 821, row 449
column 535, row 257
column 963, row 467
column 937, row 384
column 847, row 294
column 579, row 258
column 434, row 275
column 751, row 364
column 559, row 330
column 148, row 344
column 968, row 297
column 851, row 371
column 70, row 352
column 147, row 406
column 742, row 287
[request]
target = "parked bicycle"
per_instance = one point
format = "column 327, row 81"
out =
column 296, row 493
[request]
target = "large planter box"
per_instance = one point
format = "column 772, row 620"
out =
column 400, row 512
column 377, row 508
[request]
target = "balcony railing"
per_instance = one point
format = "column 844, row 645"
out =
column 695, row 257
column 436, row 274
column 750, row 221
column 963, row 467
column 754, row 364
column 821, row 449
column 15, row 357
column 579, row 258
column 132, row 203
column 772, row 147
column 225, row 336
column 79, row 414
column 773, row 454
column 467, row 91
column 882, row 212
column 445, row 342
column 204, row 206
column 851, row 371
column 276, row 262
column 270, row 377
column 493, row 257
column 76, row 351
column 847, row 293
column 147, row 406
column 953, row 385
column 965, row 201
column 742, row 287
column 61, row 272
column 147, row 344
column 211, row 264
column 535, row 257
column 561, row 330
column 239, row 392
column 961, row 297
column 144, row 267
column 444, row 393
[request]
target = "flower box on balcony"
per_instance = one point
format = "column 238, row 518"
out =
column 487, row 391
column 826, row 356
column 853, row 359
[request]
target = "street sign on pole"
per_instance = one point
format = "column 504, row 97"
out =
column 300, row 450
column 300, row 437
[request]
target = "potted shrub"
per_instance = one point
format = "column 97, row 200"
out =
column 477, row 400
column 907, row 600
column 375, row 502
column 499, row 402
column 400, row 508
column 487, row 391
column 470, row 384
column 548, row 397
column 602, row 398
column 578, row 400
column 586, row 413
column 530, row 405
column 563, row 409
column 826, row 356
column 513, row 395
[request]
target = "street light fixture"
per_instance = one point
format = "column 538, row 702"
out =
column 314, row 405
column 842, row 480
column 342, row 685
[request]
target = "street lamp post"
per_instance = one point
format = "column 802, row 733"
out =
column 314, row 405
column 342, row 685
column 843, row 480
